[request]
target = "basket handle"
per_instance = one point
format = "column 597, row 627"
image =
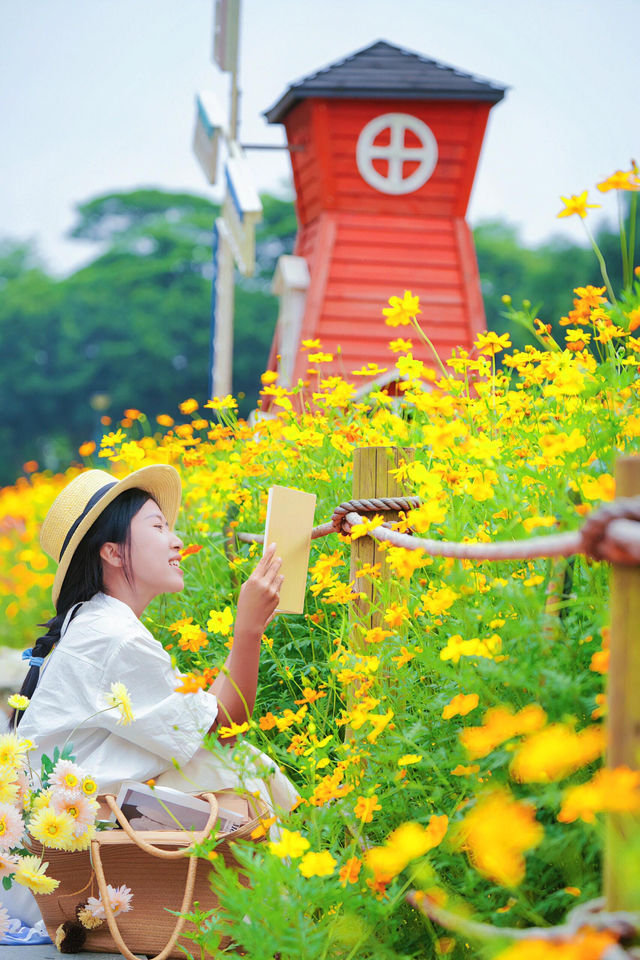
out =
column 113, row 923
column 158, row 851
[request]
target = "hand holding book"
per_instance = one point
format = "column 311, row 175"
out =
column 259, row 595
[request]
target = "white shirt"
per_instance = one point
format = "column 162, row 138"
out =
column 106, row 643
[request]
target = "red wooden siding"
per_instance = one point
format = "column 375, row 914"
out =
column 326, row 175
column 357, row 261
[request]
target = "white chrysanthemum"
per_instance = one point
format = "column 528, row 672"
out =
column 22, row 781
column 119, row 898
column 77, row 806
column 4, row 921
column 66, row 776
column 95, row 908
column 11, row 827
column 7, row 864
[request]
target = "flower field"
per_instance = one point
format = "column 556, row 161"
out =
column 456, row 749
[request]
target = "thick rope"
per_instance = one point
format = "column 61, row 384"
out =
column 610, row 533
column 622, row 924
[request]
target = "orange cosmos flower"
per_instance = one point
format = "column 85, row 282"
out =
column 366, row 807
column 461, row 705
column 609, row 791
column 350, row 872
column 620, row 180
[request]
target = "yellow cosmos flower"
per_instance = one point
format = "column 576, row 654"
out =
column 222, row 403
column 291, row 844
column 317, row 864
column 406, row 843
column 30, row 873
column 401, row 345
column 188, row 406
column 232, row 730
column 496, row 834
column 501, row 724
column 401, row 312
column 120, row 700
column 405, row 562
column 365, row 525
column 409, row 758
column 556, row 752
column 220, row 621
column 577, row 204
column 491, row 343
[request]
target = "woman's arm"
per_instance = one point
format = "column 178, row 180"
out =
column 235, row 686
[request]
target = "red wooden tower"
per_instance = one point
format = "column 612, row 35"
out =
column 384, row 147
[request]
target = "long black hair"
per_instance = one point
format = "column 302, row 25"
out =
column 84, row 578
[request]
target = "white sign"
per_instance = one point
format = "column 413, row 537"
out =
column 241, row 210
column 209, row 127
column 396, row 154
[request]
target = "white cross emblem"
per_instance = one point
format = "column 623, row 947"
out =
column 396, row 153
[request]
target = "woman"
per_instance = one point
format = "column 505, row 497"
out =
column 116, row 550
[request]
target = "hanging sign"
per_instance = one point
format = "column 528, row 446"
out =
column 225, row 34
column 209, row 127
column 241, row 210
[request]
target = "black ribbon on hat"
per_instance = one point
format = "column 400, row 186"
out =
column 98, row 495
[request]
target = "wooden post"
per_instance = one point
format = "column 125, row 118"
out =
column 622, row 839
column 371, row 479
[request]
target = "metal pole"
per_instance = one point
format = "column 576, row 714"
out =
column 234, row 112
column 222, row 371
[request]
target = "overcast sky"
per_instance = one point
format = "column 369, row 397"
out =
column 97, row 95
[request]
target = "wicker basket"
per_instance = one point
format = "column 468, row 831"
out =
column 157, row 867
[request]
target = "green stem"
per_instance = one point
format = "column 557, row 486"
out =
column 96, row 714
column 431, row 347
column 603, row 266
column 623, row 245
column 632, row 234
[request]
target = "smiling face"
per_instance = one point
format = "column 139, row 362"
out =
column 155, row 554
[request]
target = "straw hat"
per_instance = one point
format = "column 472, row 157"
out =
column 83, row 500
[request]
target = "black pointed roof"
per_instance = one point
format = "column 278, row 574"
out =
column 386, row 72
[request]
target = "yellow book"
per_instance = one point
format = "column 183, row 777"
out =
column 289, row 525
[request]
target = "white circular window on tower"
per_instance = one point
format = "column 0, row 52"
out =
column 396, row 153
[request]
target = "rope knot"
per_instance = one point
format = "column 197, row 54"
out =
column 609, row 533
column 342, row 525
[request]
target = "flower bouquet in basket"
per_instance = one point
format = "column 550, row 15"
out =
column 53, row 810
column 54, row 842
